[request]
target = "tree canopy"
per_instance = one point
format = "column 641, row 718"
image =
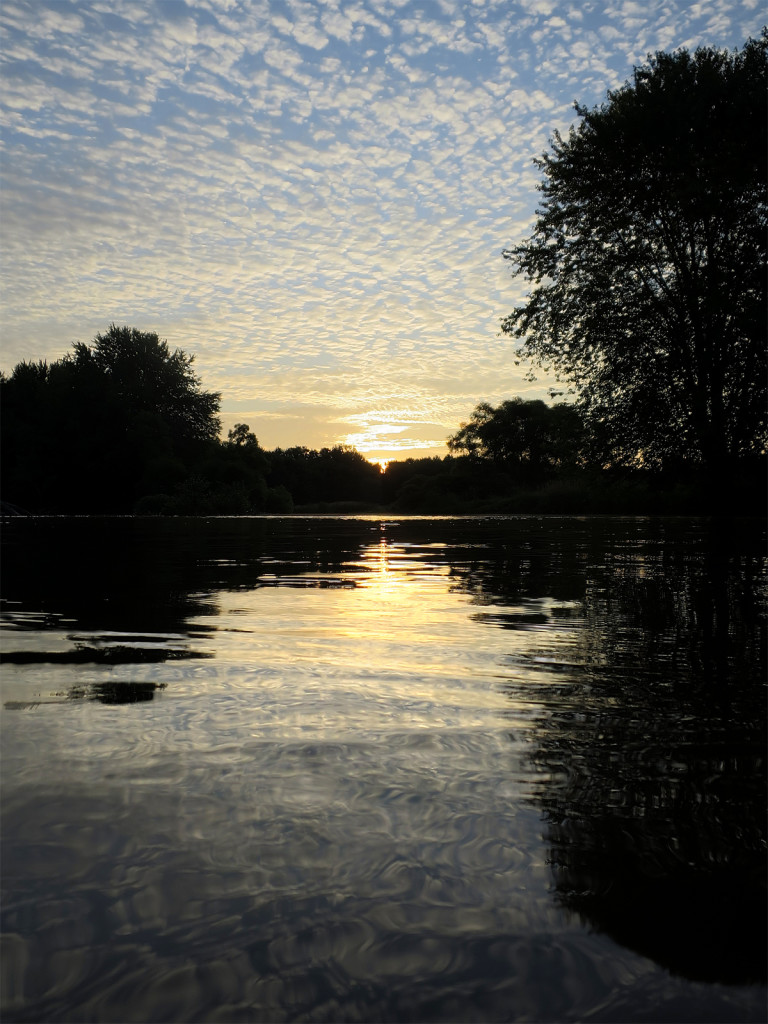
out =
column 526, row 437
column 647, row 261
column 142, row 374
column 105, row 424
column 124, row 425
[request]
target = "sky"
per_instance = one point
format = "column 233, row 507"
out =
column 310, row 196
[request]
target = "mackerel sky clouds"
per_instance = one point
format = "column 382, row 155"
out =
column 312, row 197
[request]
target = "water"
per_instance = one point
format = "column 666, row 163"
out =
column 333, row 769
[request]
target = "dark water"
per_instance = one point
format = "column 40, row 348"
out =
column 367, row 770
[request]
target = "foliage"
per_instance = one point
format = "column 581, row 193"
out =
column 123, row 425
column 528, row 438
column 104, row 425
column 141, row 374
column 93, row 433
column 241, row 436
column 338, row 474
column 648, row 262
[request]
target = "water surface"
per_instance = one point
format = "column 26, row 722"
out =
column 476, row 769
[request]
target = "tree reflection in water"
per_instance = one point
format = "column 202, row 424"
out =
column 231, row 836
column 650, row 757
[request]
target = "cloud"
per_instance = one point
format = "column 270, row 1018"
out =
column 312, row 200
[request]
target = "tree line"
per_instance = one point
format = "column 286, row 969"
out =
column 124, row 425
column 647, row 296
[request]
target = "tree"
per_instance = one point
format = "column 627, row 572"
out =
column 529, row 437
column 105, row 425
column 142, row 374
column 648, row 262
column 241, row 436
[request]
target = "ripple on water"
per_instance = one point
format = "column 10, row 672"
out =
column 390, row 780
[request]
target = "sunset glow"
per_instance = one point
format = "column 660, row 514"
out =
column 312, row 198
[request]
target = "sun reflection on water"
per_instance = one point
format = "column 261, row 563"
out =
column 394, row 771
column 383, row 579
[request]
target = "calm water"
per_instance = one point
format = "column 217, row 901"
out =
column 329, row 769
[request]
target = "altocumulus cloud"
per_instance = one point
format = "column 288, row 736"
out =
column 310, row 196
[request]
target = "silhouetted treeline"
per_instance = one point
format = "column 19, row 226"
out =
column 123, row 426
column 526, row 456
column 463, row 485
column 332, row 475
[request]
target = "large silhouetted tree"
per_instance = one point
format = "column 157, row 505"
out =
column 647, row 262
column 144, row 375
column 106, row 424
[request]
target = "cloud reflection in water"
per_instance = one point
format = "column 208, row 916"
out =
column 408, row 754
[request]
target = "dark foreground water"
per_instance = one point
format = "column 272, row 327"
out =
column 322, row 769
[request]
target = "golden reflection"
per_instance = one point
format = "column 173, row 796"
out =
column 382, row 578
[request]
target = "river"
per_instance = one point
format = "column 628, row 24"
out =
column 369, row 769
